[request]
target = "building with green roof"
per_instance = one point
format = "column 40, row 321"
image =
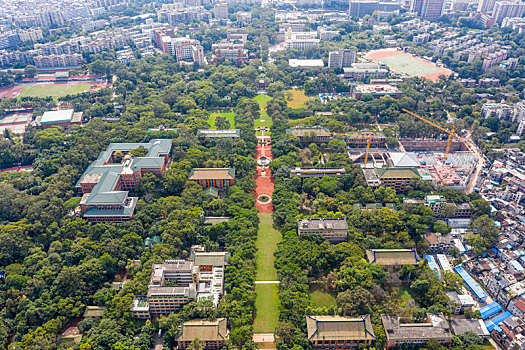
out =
column 106, row 183
column 396, row 178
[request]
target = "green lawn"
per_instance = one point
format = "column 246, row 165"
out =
column 228, row 114
column 267, row 301
column 267, row 240
column 297, row 98
column 265, row 119
column 53, row 90
column 262, row 100
column 267, row 306
column 320, row 298
column 409, row 65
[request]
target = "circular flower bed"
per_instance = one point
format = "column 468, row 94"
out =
column 263, row 199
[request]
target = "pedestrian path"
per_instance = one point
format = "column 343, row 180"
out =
column 267, row 282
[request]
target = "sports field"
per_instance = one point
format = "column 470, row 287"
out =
column 53, row 90
column 403, row 62
column 227, row 113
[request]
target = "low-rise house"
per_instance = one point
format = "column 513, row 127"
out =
column 458, row 303
column 339, row 332
column 398, row 179
column 212, row 333
column 227, row 133
column 221, row 178
column 510, row 292
column 438, row 243
column 461, row 326
column 315, row 134
column 63, row 118
column 517, row 307
column 392, row 257
column 334, row 230
column 375, row 90
column 397, row 333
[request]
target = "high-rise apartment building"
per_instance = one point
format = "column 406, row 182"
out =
column 343, row 58
column 486, row 6
column 427, row 9
column 505, row 9
column 220, row 11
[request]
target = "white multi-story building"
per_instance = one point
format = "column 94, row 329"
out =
column 516, row 23
column 58, row 60
column 186, row 50
column 498, row 110
column 343, row 58
column 504, row 9
column 301, row 40
column 493, row 59
column 30, row 35
column 220, row 11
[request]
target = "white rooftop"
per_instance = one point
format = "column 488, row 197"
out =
column 63, row 115
column 404, row 159
column 293, row 62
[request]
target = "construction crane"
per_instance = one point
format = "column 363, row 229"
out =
column 369, row 137
column 450, row 133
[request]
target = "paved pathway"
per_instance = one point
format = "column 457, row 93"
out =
column 264, row 178
column 267, row 282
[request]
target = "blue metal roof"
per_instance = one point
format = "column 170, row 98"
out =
column 433, row 264
column 493, row 322
column 471, row 283
column 490, row 309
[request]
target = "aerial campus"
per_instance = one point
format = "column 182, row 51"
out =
column 262, row 174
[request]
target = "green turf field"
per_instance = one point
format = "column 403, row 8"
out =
column 265, row 119
column 267, row 301
column 298, row 98
column 322, row 299
column 267, row 306
column 408, row 65
column 227, row 113
column 53, row 90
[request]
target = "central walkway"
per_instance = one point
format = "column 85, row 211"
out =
column 266, row 283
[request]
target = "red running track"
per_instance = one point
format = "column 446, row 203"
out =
column 264, row 179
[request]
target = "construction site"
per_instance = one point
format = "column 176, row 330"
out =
column 452, row 163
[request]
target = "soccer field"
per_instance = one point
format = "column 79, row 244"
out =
column 408, row 65
column 53, row 90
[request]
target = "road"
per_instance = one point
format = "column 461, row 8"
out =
column 481, row 163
